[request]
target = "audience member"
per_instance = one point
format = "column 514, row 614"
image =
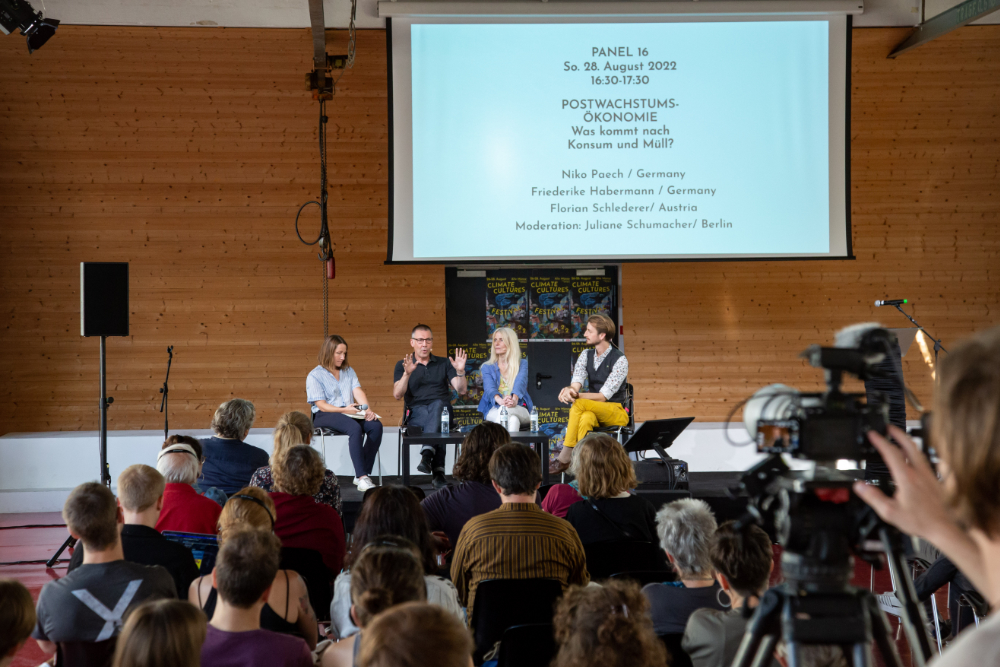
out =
column 17, row 619
column 686, row 528
column 184, row 510
column 606, row 626
column 391, row 510
column 230, row 462
column 301, row 522
column 449, row 509
column 960, row 516
column 560, row 498
column 88, row 604
column 518, row 540
column 388, row 573
column 251, row 508
column 140, row 496
column 743, row 562
column 295, row 428
column 608, row 511
column 415, row 634
column 244, row 573
column 164, row 633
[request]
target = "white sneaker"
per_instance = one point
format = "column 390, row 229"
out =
column 889, row 603
column 366, row 483
column 355, row 482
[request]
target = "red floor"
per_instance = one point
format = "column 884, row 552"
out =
column 40, row 543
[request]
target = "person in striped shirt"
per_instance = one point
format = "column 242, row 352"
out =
column 518, row 540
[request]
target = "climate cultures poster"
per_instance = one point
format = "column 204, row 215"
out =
column 551, row 308
column 507, row 305
column 591, row 295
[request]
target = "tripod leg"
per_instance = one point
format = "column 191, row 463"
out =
column 882, row 634
column 762, row 628
column 68, row 544
column 861, row 655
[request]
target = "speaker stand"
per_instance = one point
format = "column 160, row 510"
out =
column 105, row 470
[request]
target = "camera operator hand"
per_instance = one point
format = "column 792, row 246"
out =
column 918, row 507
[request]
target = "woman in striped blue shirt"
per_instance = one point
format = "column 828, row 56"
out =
column 336, row 395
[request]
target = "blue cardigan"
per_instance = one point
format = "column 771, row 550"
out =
column 491, row 386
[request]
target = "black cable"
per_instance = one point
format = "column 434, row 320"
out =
column 35, row 525
column 33, row 562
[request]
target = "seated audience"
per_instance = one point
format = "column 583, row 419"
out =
column 391, row 510
column 606, row 626
column 608, row 511
column 388, row 573
column 518, row 540
column 415, row 634
column 686, row 528
column 140, row 496
column 287, row 609
column 301, row 522
column 560, row 498
column 164, row 633
column 230, row 462
column 295, row 428
column 449, row 509
column 505, row 382
column 743, row 564
column 89, row 603
column 184, row 510
column 17, row 619
column 960, row 516
column 244, row 574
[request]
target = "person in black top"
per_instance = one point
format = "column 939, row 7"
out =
column 425, row 383
column 604, row 477
column 230, row 462
column 605, row 369
column 140, row 496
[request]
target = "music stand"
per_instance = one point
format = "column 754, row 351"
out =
column 657, row 434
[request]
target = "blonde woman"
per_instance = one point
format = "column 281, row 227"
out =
column 164, row 633
column 505, row 382
column 295, row 428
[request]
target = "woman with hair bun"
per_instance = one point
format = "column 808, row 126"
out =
column 388, row 572
column 606, row 626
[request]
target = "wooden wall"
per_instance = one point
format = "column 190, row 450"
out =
column 188, row 151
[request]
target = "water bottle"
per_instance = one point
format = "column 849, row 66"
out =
column 445, row 421
column 534, row 419
column 504, row 417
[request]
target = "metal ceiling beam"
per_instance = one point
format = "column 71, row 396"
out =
column 945, row 22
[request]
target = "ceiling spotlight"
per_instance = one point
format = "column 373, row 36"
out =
column 36, row 28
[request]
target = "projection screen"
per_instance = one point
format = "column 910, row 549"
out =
column 618, row 138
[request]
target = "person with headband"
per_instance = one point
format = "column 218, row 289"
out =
column 287, row 609
column 334, row 391
column 184, row 510
column 292, row 429
column 606, row 369
column 505, row 382
column 387, row 573
column 606, row 626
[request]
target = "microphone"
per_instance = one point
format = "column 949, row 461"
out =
column 362, row 408
column 890, row 302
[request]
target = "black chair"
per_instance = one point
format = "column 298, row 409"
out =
column 527, row 646
column 980, row 608
column 503, row 603
column 86, row 654
column 308, row 563
column 543, row 491
column 325, row 432
column 644, row 577
column 617, row 556
column 678, row 657
column 623, row 433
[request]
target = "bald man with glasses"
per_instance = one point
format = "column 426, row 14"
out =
column 425, row 381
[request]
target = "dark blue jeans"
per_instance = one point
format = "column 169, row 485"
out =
column 363, row 457
column 428, row 417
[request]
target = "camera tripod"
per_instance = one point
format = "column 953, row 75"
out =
column 821, row 522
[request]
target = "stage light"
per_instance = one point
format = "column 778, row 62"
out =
column 37, row 29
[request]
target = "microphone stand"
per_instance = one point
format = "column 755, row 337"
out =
column 164, row 390
column 937, row 343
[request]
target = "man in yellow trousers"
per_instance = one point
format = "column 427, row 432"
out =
column 606, row 369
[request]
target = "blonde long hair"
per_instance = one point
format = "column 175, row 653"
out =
column 513, row 356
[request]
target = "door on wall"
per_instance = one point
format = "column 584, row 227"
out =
column 548, row 308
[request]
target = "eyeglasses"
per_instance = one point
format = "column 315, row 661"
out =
column 422, row 340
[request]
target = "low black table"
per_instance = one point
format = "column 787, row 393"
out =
column 456, row 438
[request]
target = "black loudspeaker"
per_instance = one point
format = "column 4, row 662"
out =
column 657, row 474
column 103, row 298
